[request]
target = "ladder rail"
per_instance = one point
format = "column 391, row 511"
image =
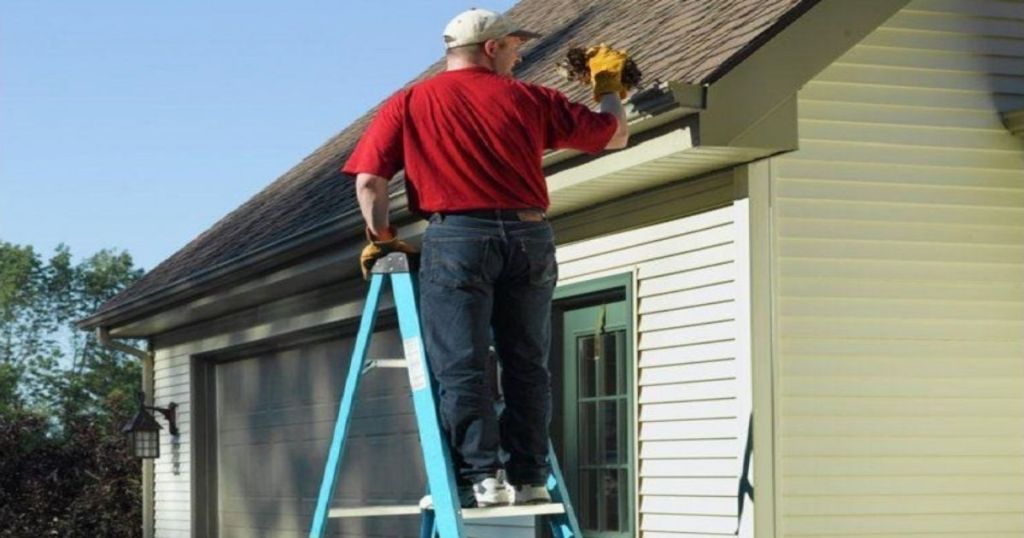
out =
column 565, row 525
column 341, row 426
column 436, row 459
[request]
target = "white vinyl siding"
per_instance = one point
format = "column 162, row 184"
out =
column 899, row 297
column 172, row 471
column 691, row 428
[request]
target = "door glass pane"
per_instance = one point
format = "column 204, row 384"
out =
column 609, row 444
column 625, row 361
column 587, row 364
column 610, row 498
column 624, row 500
column 609, row 367
column 589, row 451
column 622, row 431
column 588, row 499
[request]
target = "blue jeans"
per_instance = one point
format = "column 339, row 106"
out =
column 478, row 274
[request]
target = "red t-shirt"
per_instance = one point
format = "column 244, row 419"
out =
column 471, row 139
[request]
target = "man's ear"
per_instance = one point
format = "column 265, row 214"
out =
column 491, row 47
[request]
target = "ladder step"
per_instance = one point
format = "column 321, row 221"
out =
column 384, row 363
column 467, row 513
column 512, row 511
column 374, row 511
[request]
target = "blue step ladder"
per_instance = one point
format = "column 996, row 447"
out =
column 445, row 517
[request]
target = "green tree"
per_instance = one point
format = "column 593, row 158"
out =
column 27, row 332
column 65, row 468
column 45, row 362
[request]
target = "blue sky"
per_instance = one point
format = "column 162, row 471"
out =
column 137, row 125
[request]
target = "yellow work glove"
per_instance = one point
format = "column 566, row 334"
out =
column 606, row 65
column 376, row 249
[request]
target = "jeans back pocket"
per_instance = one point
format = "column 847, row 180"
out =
column 540, row 254
column 456, row 262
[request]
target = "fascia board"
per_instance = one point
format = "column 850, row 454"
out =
column 339, row 262
column 647, row 110
column 672, row 142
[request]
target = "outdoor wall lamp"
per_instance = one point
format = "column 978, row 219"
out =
column 144, row 431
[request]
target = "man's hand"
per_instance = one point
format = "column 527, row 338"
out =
column 606, row 65
column 376, row 248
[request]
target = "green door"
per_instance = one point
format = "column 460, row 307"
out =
column 597, row 421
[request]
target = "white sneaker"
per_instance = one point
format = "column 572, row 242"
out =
column 491, row 491
column 530, row 494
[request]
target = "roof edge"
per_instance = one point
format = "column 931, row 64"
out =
column 297, row 244
column 742, row 54
column 644, row 106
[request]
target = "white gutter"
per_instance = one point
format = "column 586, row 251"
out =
column 103, row 335
column 647, row 109
column 658, row 105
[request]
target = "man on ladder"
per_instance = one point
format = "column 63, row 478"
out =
column 470, row 140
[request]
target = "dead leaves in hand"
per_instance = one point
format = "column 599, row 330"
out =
column 574, row 68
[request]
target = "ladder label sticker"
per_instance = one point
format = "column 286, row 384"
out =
column 414, row 360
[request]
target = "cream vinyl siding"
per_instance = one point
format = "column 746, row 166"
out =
column 692, row 408
column 899, row 290
column 172, row 471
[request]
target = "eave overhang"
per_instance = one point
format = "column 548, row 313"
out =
column 255, row 278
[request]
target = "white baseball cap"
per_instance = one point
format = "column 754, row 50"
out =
column 479, row 25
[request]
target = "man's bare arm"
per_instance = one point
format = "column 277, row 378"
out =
column 611, row 104
column 372, row 192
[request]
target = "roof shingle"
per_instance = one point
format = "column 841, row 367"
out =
column 691, row 41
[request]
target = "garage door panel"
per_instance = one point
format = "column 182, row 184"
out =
column 370, row 469
column 275, row 418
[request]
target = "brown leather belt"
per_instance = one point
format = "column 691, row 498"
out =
column 523, row 215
